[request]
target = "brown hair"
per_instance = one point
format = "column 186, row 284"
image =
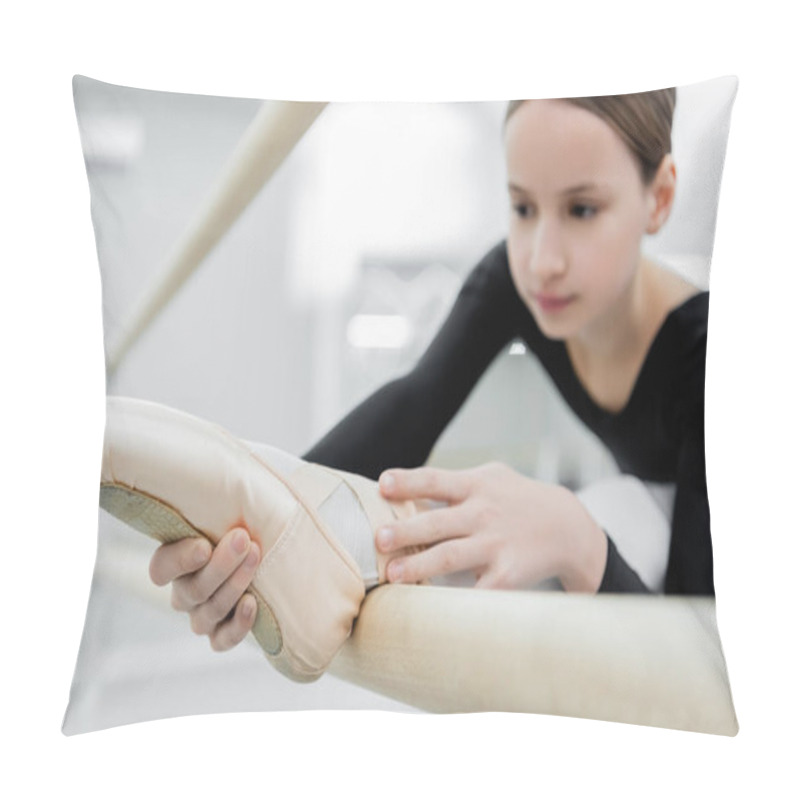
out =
column 643, row 121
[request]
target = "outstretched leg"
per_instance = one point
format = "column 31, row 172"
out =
column 646, row 660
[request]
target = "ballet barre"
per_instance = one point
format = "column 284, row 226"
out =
column 265, row 145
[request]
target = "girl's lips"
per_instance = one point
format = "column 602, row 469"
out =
column 549, row 303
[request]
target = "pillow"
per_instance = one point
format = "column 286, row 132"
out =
column 267, row 267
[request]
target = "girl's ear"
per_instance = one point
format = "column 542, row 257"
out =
column 661, row 194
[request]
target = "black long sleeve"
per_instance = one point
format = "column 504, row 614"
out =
column 398, row 425
column 619, row 577
column 690, row 567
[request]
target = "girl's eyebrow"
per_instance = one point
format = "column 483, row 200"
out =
column 581, row 187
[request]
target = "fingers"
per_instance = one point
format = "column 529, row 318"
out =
column 449, row 486
column 229, row 633
column 210, row 583
column 190, row 591
column 171, row 561
column 444, row 558
column 208, row 615
column 427, row 527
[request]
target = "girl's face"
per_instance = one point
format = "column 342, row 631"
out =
column 579, row 211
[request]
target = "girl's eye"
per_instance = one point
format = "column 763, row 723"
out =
column 583, row 211
column 579, row 210
column 521, row 210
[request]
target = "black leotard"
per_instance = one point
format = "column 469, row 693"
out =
column 657, row 436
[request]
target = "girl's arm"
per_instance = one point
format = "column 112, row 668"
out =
column 399, row 424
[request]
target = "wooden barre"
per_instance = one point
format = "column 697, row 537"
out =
column 266, row 143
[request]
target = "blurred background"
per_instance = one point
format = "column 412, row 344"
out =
column 332, row 282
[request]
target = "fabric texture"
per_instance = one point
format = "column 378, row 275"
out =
column 341, row 512
column 237, row 240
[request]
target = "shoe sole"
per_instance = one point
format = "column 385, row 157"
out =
column 159, row 521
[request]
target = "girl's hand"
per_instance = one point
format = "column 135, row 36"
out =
column 512, row 531
column 210, row 584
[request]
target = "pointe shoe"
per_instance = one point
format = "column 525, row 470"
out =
column 171, row 475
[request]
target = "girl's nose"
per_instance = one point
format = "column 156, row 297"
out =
column 547, row 255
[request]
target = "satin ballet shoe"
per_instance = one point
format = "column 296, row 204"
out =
column 171, row 475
